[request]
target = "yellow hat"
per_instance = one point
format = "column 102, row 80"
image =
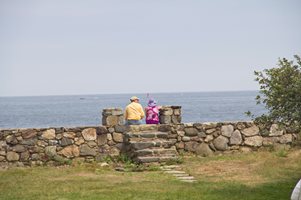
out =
column 134, row 98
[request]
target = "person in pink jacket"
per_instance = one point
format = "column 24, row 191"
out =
column 152, row 112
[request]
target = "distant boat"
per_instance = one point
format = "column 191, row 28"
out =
column 82, row 98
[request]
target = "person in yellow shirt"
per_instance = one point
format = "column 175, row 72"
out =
column 134, row 112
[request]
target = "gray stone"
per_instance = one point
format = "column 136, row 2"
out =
column 112, row 120
column 2, row 153
column 66, row 142
column 70, row 151
column 253, row 130
column 209, row 125
column 2, row 158
column 227, row 130
column 166, row 111
column 29, row 142
column 101, row 130
column 191, row 131
column 102, row 139
column 142, row 145
column 210, row 131
column 24, row 156
column 287, row 138
column 49, row 134
column 274, row 130
column 41, row 143
column 12, row 156
column 202, row 135
column 111, row 130
column 11, row 140
column 19, row 138
column 164, row 127
column 255, row 141
column 53, row 142
column 70, row 135
column 89, row 134
column 50, row 151
column 191, row 146
column 236, row 138
column 26, row 134
column 185, row 139
column 203, row 150
column 59, row 136
column 85, row 150
column 180, row 145
column 177, row 111
column 19, row 148
column 146, row 127
column 209, row 138
column 92, row 144
column 79, row 141
column 221, row 143
column 165, row 119
column 181, row 133
column 117, row 137
column 240, row 125
column 269, row 141
column 3, row 145
column 176, row 119
column 109, row 137
column 35, row 156
column 121, row 128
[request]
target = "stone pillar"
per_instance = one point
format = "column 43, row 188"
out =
column 112, row 117
column 170, row 115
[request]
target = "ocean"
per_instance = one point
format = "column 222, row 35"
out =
column 85, row 110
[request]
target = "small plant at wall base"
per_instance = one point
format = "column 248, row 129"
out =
column 280, row 92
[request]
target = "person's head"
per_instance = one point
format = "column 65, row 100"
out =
column 134, row 99
column 152, row 103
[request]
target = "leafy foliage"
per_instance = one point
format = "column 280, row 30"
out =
column 280, row 92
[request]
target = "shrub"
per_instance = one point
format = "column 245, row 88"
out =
column 280, row 92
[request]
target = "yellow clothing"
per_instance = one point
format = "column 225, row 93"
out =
column 134, row 111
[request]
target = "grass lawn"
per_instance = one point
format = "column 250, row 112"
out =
column 261, row 175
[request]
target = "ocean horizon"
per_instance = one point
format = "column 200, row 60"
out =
column 85, row 110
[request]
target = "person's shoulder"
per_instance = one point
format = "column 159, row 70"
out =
column 128, row 105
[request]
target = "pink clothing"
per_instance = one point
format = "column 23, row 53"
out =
column 152, row 115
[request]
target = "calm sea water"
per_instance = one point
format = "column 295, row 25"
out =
column 84, row 110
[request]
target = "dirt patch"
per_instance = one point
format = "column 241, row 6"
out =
column 229, row 171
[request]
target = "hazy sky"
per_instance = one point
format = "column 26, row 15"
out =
column 138, row 46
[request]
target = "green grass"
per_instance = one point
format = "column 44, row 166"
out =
column 261, row 175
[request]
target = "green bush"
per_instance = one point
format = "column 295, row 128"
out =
column 280, row 93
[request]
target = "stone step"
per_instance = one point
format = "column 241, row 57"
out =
column 143, row 127
column 170, row 167
column 175, row 172
column 147, row 134
column 150, row 159
column 150, row 144
column 152, row 152
column 185, row 178
column 189, row 181
column 181, row 175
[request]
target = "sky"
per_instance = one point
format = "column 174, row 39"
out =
column 62, row 47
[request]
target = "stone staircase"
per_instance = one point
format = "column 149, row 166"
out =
column 150, row 146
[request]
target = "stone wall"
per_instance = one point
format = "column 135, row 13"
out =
column 55, row 146
column 170, row 115
column 52, row 146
